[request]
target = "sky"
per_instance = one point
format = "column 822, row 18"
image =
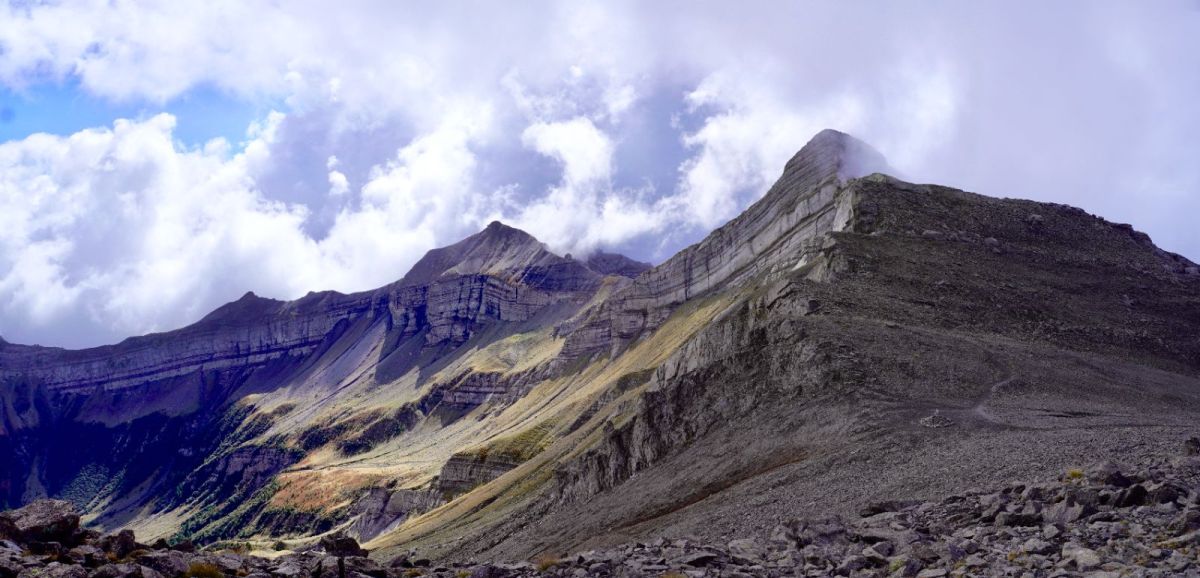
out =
column 160, row 158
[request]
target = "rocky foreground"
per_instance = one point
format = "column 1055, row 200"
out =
column 1099, row 522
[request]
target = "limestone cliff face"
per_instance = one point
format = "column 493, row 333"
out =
column 382, row 509
column 767, row 238
column 247, row 332
column 499, row 274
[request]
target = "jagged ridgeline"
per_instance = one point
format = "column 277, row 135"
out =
column 849, row 338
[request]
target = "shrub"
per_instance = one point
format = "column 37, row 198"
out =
column 203, row 570
column 545, row 562
column 1074, row 474
column 280, row 546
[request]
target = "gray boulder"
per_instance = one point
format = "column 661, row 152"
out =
column 44, row 521
column 168, row 563
column 124, row 571
column 342, row 546
column 55, row 570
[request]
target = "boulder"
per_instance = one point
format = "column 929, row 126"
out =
column 10, row 568
column 8, row 529
column 124, row 571
column 55, row 570
column 121, row 544
column 1132, row 496
column 168, row 563
column 1084, row 558
column 1109, row 474
column 88, row 555
column 45, row 521
column 341, row 546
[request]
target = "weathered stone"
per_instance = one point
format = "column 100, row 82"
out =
column 1108, row 473
column 748, row 549
column 124, row 571
column 1084, row 558
column 342, row 546
column 1018, row 519
column 698, row 559
column 55, row 570
column 1037, row 546
column 45, row 521
column 169, row 564
column 1132, row 496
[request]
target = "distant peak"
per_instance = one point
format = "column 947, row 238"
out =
column 498, row 248
column 834, row 151
column 616, row 264
column 497, row 230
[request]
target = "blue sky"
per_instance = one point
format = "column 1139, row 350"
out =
column 65, row 108
column 160, row 158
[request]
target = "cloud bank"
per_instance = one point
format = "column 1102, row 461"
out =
column 616, row 125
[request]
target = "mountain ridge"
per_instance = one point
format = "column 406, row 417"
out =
column 506, row 401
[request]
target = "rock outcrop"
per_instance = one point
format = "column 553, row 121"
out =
column 768, row 238
column 382, row 509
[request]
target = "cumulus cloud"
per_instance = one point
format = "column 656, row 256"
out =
column 584, row 211
column 124, row 229
column 593, row 125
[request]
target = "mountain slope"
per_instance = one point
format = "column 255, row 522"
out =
column 1042, row 336
column 503, row 401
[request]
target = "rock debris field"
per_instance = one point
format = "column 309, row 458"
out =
column 1102, row 521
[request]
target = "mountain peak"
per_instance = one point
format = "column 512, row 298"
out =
column 616, row 264
column 835, row 152
column 497, row 249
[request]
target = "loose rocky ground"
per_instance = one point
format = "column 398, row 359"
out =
column 1104, row 521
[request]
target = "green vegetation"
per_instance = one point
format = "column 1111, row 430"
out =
column 520, row 447
column 232, row 518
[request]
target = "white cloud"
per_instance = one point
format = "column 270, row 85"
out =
column 584, row 211
column 177, row 224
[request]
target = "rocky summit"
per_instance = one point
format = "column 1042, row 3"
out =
column 857, row 376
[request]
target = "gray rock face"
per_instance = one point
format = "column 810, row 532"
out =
column 614, row 264
column 463, row 472
column 250, row 331
column 382, row 509
column 774, row 235
column 499, row 274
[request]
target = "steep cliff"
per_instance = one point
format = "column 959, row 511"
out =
column 803, row 205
